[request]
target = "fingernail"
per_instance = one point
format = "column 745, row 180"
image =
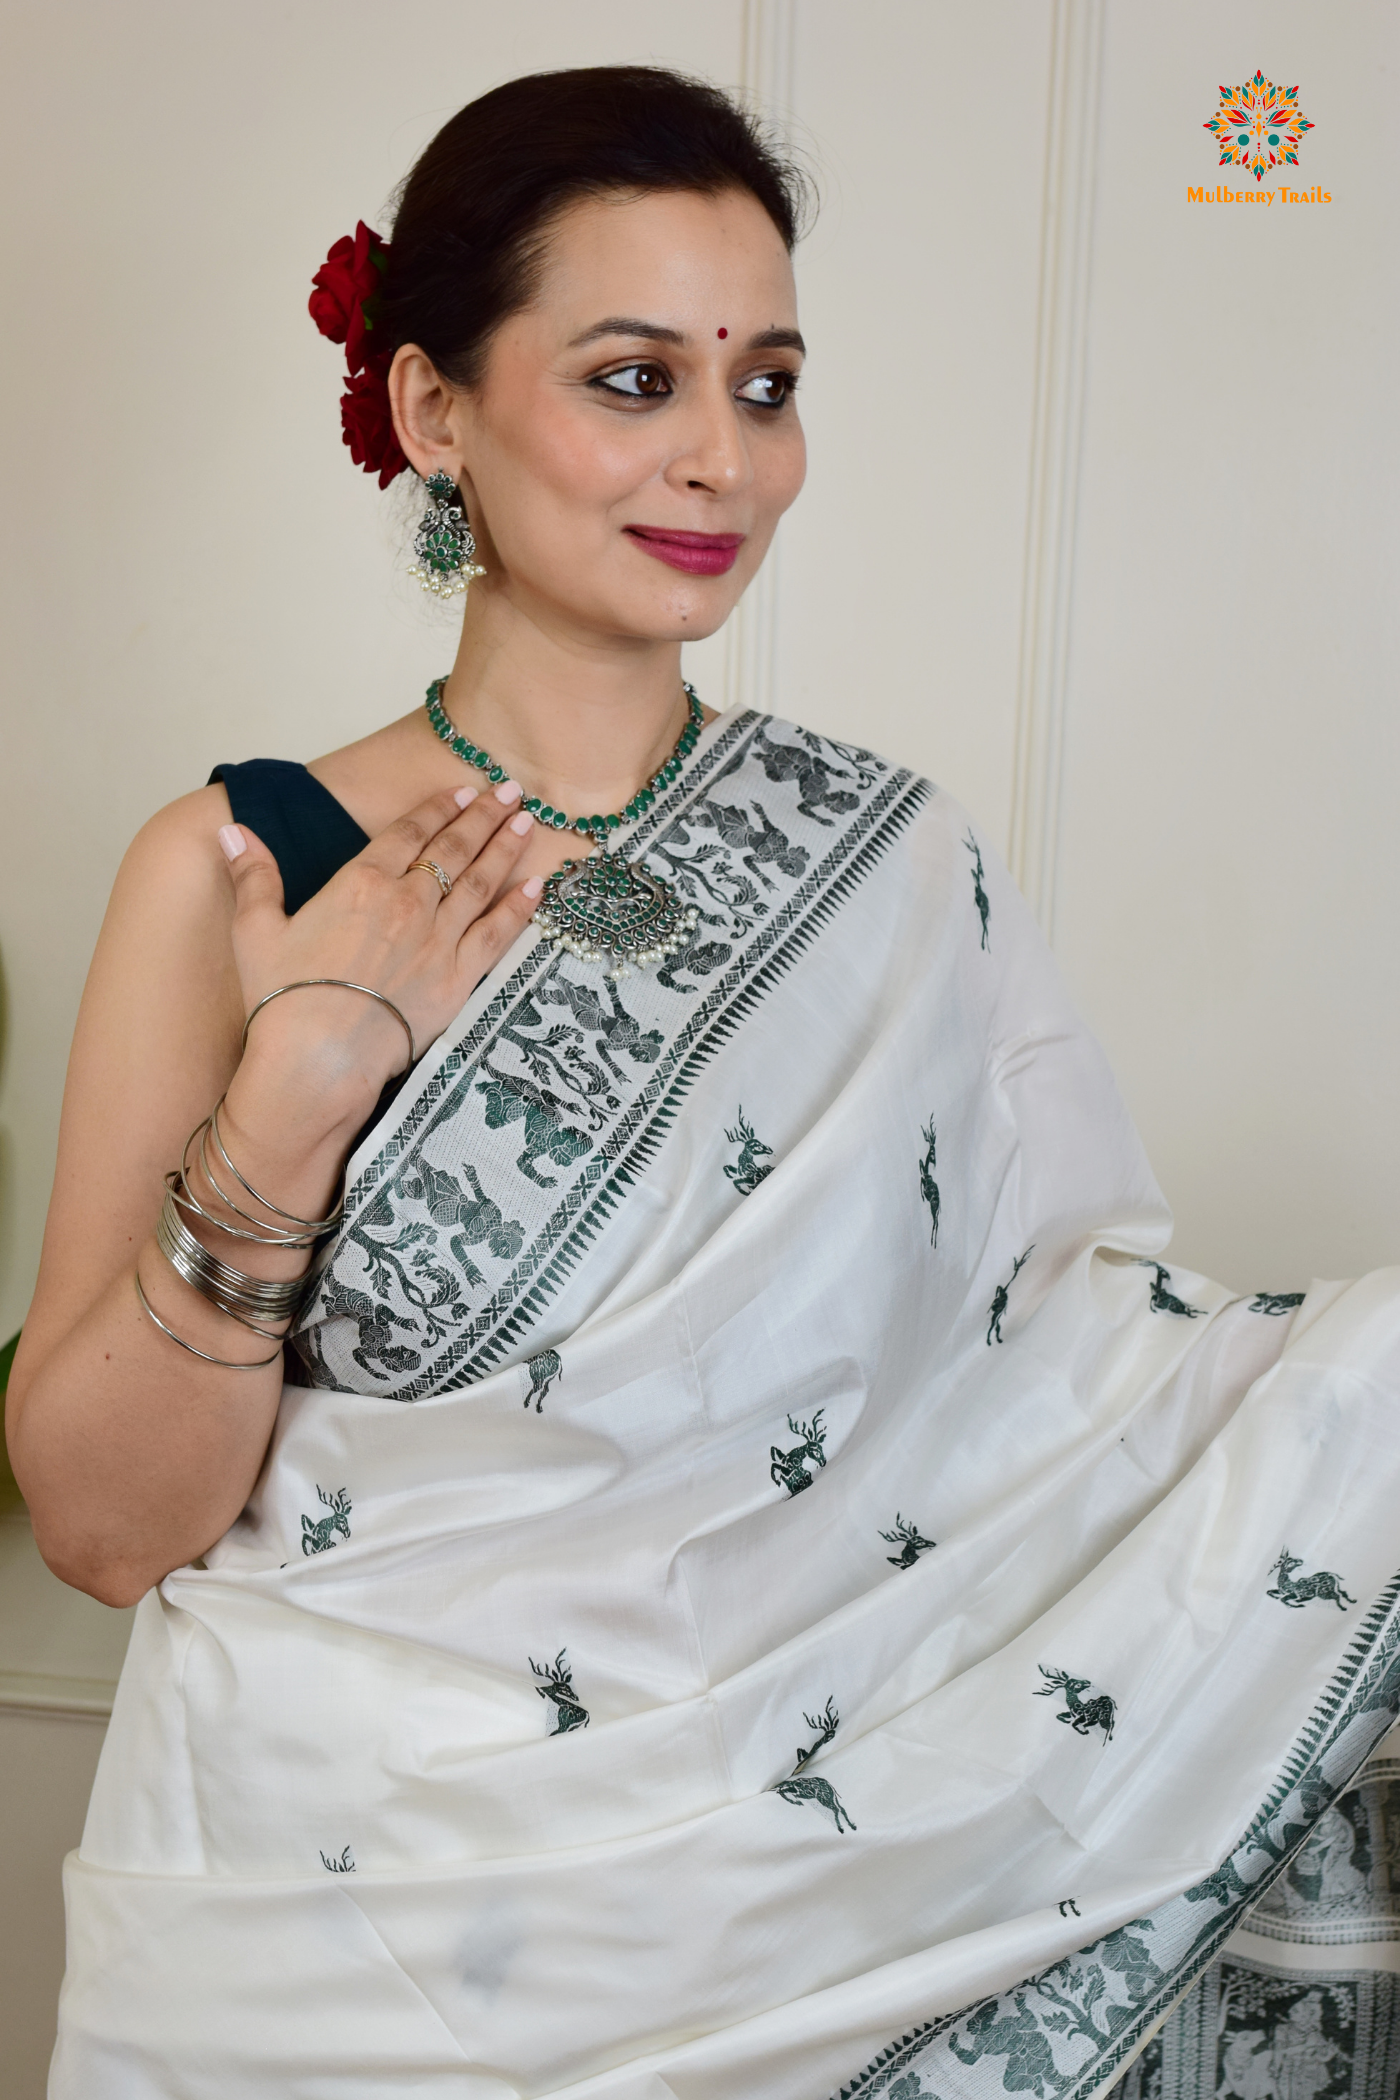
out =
column 463, row 796
column 524, row 823
column 509, row 791
column 232, row 841
column 533, row 887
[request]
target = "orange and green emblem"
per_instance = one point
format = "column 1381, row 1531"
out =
column 1258, row 126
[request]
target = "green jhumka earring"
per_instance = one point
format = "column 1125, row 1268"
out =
column 444, row 546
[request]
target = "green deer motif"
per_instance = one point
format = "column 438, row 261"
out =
column 344, row 1865
column 789, row 1468
column 913, row 1543
column 1322, row 1587
column 800, row 1786
column 746, row 1172
column 558, row 1686
column 1081, row 1714
column 826, row 1724
column 320, row 1537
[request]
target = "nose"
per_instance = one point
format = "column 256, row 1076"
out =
column 712, row 455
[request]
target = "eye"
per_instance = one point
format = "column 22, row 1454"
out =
column 769, row 389
column 638, row 382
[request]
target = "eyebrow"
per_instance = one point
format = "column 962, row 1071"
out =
column 778, row 339
column 627, row 324
column 655, row 332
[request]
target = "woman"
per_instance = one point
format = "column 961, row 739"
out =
column 831, row 1571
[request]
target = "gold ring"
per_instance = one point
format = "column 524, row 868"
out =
column 439, row 875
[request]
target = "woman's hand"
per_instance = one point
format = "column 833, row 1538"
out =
column 383, row 922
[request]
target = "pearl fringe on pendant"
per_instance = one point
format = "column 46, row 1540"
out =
column 607, row 907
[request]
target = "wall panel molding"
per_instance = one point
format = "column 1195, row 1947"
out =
column 1067, row 220
column 767, row 78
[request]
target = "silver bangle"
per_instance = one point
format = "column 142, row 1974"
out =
column 306, row 983
column 316, row 1228
column 224, row 1363
column 317, row 1225
column 265, row 1235
column 244, row 1298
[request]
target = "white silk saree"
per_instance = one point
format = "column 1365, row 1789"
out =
column 774, row 1588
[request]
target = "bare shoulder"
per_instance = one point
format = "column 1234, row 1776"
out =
column 181, row 839
column 165, row 935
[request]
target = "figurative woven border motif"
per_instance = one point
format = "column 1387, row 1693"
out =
column 510, row 1161
column 1259, row 2032
column 1342, row 1887
column 1061, row 2034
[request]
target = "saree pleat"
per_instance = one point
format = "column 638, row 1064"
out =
column 773, row 1587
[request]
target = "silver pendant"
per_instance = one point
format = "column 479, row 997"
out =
column 606, row 908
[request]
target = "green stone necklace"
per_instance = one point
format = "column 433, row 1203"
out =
column 604, row 907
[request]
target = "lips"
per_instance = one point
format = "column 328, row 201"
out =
column 698, row 553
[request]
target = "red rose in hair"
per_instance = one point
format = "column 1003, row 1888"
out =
column 367, row 423
column 346, row 291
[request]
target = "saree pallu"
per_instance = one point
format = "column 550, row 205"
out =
column 773, row 1587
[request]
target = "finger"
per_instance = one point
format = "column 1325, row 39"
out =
column 488, row 938
column 458, row 844
column 254, row 873
column 411, row 836
column 487, row 874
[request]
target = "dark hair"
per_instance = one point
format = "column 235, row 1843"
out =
column 475, row 211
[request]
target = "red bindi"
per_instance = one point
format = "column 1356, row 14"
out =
column 723, row 333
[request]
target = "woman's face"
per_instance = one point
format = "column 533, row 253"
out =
column 634, row 440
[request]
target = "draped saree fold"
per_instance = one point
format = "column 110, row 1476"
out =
column 772, row 1586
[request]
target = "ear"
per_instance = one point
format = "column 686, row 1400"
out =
column 433, row 420
column 426, row 418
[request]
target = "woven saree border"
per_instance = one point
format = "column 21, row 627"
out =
column 1366, row 1681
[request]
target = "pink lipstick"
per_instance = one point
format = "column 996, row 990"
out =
column 698, row 553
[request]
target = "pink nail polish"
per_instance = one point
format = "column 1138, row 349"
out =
column 232, row 841
column 524, row 824
column 533, row 887
column 509, row 791
column 463, row 796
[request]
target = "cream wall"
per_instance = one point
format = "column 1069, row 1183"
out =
column 1229, row 855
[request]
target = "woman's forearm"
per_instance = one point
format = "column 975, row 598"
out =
column 134, row 1454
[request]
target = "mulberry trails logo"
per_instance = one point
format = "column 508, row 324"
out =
column 1258, row 128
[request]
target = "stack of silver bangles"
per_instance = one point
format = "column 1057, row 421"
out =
column 250, row 1300
column 244, row 1298
column 247, row 1299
